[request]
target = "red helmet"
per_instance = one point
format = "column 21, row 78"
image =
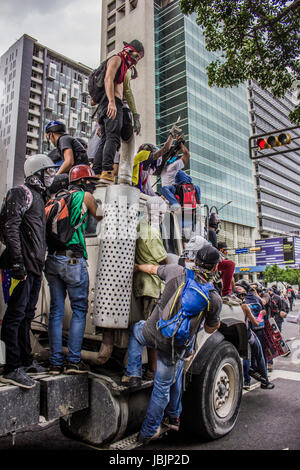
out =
column 79, row 172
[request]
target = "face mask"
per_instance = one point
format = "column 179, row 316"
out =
column 89, row 187
column 48, row 180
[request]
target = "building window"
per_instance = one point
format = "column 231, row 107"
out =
column 111, row 20
column 73, row 103
column 51, row 72
column 111, row 7
column 111, row 33
column 111, row 47
column 133, row 4
column 75, row 91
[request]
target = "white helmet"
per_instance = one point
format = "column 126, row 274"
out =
column 36, row 163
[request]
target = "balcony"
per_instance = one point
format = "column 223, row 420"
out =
column 35, row 101
column 37, row 59
column 37, row 69
column 33, row 135
column 33, row 146
column 36, row 80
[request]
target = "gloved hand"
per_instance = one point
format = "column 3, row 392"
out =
column 18, row 271
column 175, row 131
column 136, row 124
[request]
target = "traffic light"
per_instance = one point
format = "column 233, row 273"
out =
column 274, row 141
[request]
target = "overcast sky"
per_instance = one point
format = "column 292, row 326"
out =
column 70, row 27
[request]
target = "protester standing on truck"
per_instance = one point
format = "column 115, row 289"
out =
column 23, row 224
column 110, row 110
column 167, row 389
column 66, row 272
column 69, row 149
column 147, row 288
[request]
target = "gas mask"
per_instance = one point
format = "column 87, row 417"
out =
column 48, row 177
column 89, row 186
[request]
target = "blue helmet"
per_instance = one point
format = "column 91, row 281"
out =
column 55, row 126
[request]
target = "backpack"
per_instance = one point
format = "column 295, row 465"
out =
column 59, row 230
column 194, row 300
column 96, row 85
column 187, row 195
column 255, row 310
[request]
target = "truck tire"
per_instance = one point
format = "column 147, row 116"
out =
column 212, row 400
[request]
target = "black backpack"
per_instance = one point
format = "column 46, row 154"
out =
column 96, row 82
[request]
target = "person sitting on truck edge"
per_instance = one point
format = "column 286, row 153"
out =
column 66, row 272
column 110, row 112
column 144, row 165
column 174, row 194
column 167, row 389
column 147, row 288
column 23, row 225
column 258, row 363
column 226, row 267
column 69, row 149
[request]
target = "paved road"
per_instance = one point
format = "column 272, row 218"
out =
column 268, row 419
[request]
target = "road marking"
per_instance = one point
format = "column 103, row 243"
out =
column 284, row 374
column 276, row 374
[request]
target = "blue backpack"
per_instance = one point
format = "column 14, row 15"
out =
column 194, row 300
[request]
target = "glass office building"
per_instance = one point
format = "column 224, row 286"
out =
column 215, row 121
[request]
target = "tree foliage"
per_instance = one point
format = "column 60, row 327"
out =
column 256, row 39
column 275, row 274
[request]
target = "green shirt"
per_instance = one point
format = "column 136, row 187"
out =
column 149, row 250
column 75, row 216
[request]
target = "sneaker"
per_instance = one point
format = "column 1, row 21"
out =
column 267, row 386
column 56, row 369
column 34, row 368
column 107, row 177
column 145, row 440
column 246, row 386
column 172, row 423
column 77, row 368
column 131, row 381
column 18, row 377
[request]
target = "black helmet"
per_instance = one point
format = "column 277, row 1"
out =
column 214, row 220
column 148, row 147
column 207, row 257
column 55, row 126
column 137, row 45
column 245, row 284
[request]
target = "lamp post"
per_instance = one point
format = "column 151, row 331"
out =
column 224, row 205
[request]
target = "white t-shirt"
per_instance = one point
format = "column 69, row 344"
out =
column 169, row 172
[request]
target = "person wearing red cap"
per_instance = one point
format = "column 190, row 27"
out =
column 66, row 272
column 110, row 112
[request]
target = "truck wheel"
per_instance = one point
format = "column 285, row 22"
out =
column 212, row 400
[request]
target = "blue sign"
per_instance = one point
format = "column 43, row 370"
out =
column 241, row 250
column 283, row 251
column 271, row 251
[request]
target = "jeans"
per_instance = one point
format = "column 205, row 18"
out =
column 17, row 320
column 167, row 388
column 169, row 193
column 110, row 137
column 64, row 277
column 258, row 362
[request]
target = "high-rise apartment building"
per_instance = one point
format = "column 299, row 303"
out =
column 39, row 85
column 277, row 177
column 172, row 82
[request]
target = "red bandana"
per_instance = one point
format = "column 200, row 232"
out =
column 127, row 61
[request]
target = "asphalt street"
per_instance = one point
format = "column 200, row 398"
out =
column 268, row 419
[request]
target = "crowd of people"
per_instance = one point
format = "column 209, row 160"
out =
column 43, row 224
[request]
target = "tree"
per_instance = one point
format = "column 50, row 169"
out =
column 257, row 39
column 274, row 274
